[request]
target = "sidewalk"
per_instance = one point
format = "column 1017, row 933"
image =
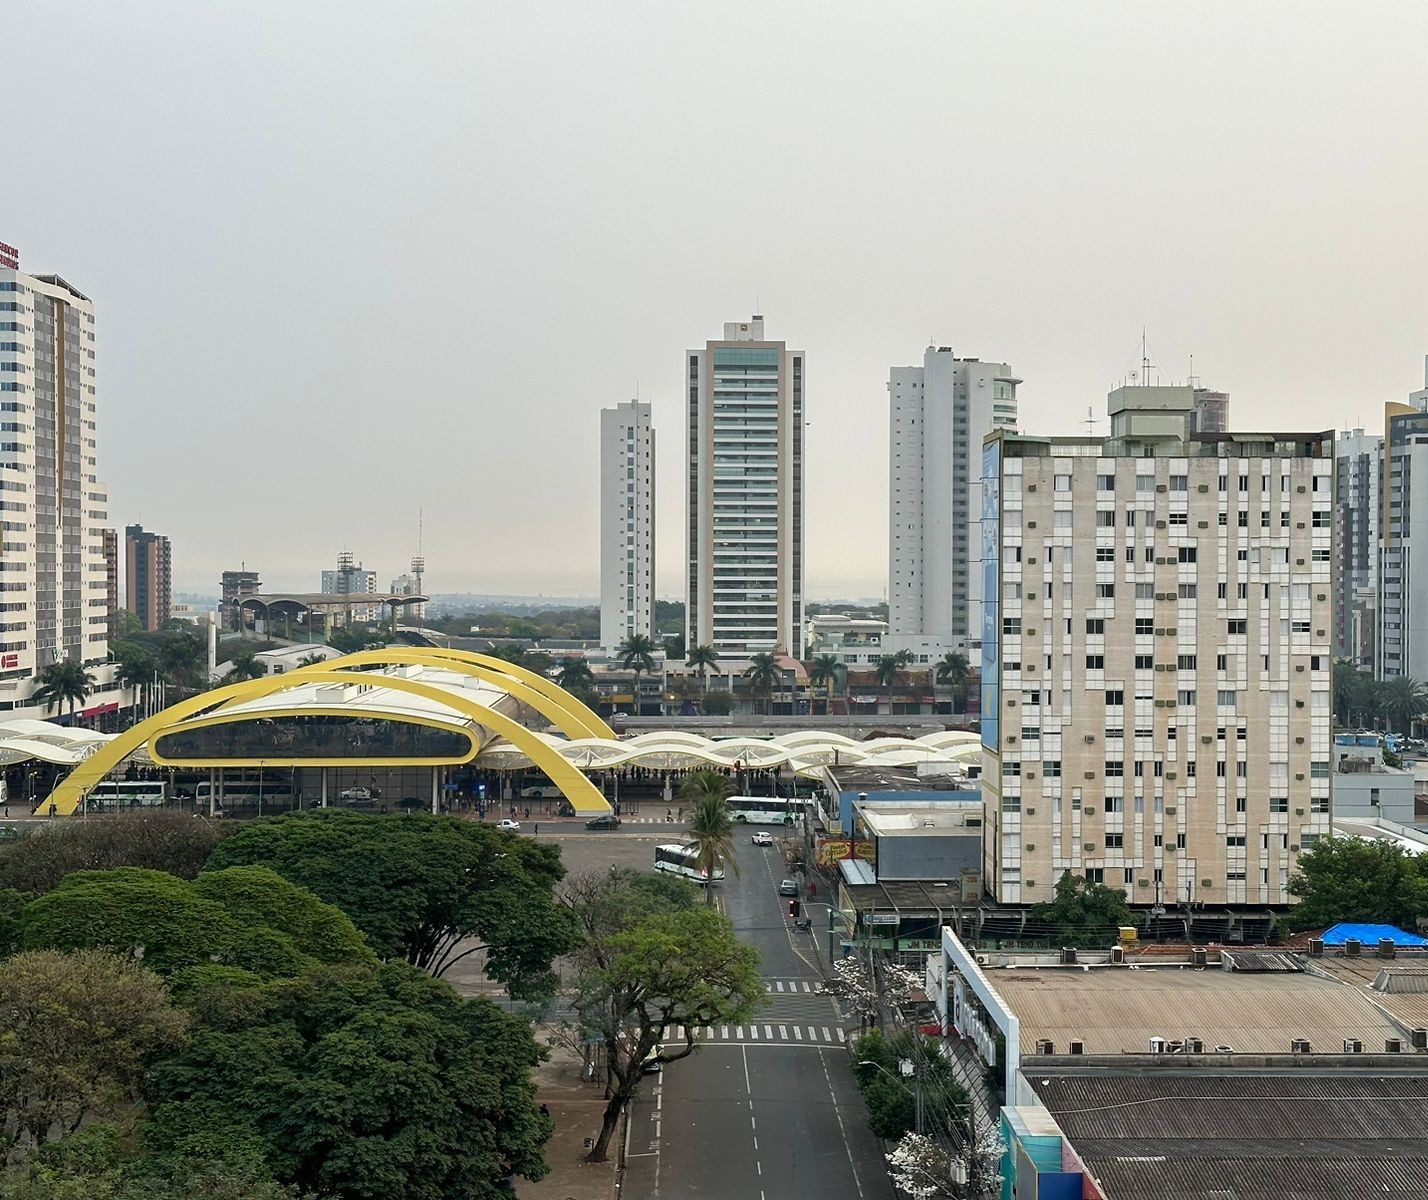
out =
column 576, row 1107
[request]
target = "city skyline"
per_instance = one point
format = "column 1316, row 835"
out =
column 1171, row 213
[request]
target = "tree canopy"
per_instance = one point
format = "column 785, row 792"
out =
column 54, row 1071
column 1355, row 879
column 420, row 886
column 159, row 840
column 652, row 959
column 360, row 1084
column 246, row 917
column 1083, row 913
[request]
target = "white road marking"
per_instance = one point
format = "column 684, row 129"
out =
column 797, row 1033
column 812, row 1034
column 739, row 1032
column 783, row 1032
column 847, row 1149
column 827, row 1037
column 754, row 1032
column 768, row 1032
column 842, row 1037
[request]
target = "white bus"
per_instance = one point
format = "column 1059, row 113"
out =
column 765, row 810
column 113, row 795
column 247, row 792
column 680, row 860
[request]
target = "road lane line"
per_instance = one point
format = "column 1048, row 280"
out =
column 847, row 1149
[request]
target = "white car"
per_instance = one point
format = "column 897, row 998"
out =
column 507, row 824
column 763, row 838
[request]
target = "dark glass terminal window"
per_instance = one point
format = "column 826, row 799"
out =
column 315, row 737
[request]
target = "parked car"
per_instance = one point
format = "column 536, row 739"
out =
column 788, row 887
column 355, row 793
column 507, row 824
column 603, row 821
column 762, row 838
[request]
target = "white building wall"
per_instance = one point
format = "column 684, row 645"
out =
column 53, row 602
column 939, row 414
column 627, row 523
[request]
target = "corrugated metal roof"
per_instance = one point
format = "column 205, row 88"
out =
column 1296, row 1136
column 1117, row 1010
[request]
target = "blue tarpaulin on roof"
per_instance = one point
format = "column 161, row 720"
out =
column 1371, row 935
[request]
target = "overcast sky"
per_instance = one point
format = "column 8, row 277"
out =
column 351, row 259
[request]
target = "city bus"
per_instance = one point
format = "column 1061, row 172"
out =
column 243, row 794
column 765, row 810
column 113, row 795
column 679, row 860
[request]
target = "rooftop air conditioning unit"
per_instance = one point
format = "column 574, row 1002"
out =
column 1386, row 948
column 1068, row 957
column 1090, row 738
column 1316, row 947
column 1299, row 1046
column 1157, row 1045
column 1353, row 1046
column 1118, row 954
column 1198, row 957
column 1076, row 1046
column 1045, row 1046
column 1353, row 948
column 1393, row 1045
column 982, row 960
column 1194, row 1045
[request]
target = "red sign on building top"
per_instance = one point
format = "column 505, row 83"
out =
column 9, row 257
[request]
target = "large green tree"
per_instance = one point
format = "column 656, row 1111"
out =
column 1356, row 879
column 246, row 917
column 360, row 1084
column 77, row 1032
column 1082, row 914
column 824, row 673
column 429, row 890
column 763, row 675
column 650, row 961
column 159, row 840
column 702, row 659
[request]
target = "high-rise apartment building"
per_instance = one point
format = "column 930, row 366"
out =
column 939, row 414
column 233, row 587
column 148, row 576
column 111, row 569
column 627, row 523
column 1403, row 586
column 351, row 579
column 745, row 402
column 52, row 570
column 1358, row 507
column 1157, row 657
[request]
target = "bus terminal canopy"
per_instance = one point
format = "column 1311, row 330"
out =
column 393, row 707
column 23, row 740
column 329, row 601
column 803, row 752
column 423, row 706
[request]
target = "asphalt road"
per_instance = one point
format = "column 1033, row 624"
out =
column 764, row 1110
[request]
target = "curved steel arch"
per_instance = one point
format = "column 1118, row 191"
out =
column 568, row 714
column 583, row 795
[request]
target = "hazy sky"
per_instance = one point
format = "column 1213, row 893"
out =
column 351, row 259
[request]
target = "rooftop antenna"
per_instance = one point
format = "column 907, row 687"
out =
column 1145, row 363
column 1090, row 421
column 419, row 562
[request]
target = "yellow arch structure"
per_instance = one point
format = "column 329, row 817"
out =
column 570, row 716
column 584, row 796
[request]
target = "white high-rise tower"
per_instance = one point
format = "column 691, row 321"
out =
column 627, row 522
column 745, row 404
column 939, row 414
column 52, row 567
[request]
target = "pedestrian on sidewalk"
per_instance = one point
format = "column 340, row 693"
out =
column 537, row 829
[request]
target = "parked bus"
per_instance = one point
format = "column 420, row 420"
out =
column 243, row 794
column 113, row 795
column 680, row 861
column 765, row 810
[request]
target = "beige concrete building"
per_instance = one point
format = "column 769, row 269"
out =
column 1156, row 700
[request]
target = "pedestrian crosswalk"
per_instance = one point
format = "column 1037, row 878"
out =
column 793, row 985
column 763, row 1032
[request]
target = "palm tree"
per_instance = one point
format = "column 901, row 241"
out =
column 710, row 833
column 136, row 669
column 575, row 674
column 704, row 659
column 889, row 673
column 1403, row 700
column 311, row 660
column 63, row 683
column 824, row 672
column 245, row 666
column 763, row 675
column 636, row 652
column 952, row 670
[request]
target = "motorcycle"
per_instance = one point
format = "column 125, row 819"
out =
column 803, row 924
